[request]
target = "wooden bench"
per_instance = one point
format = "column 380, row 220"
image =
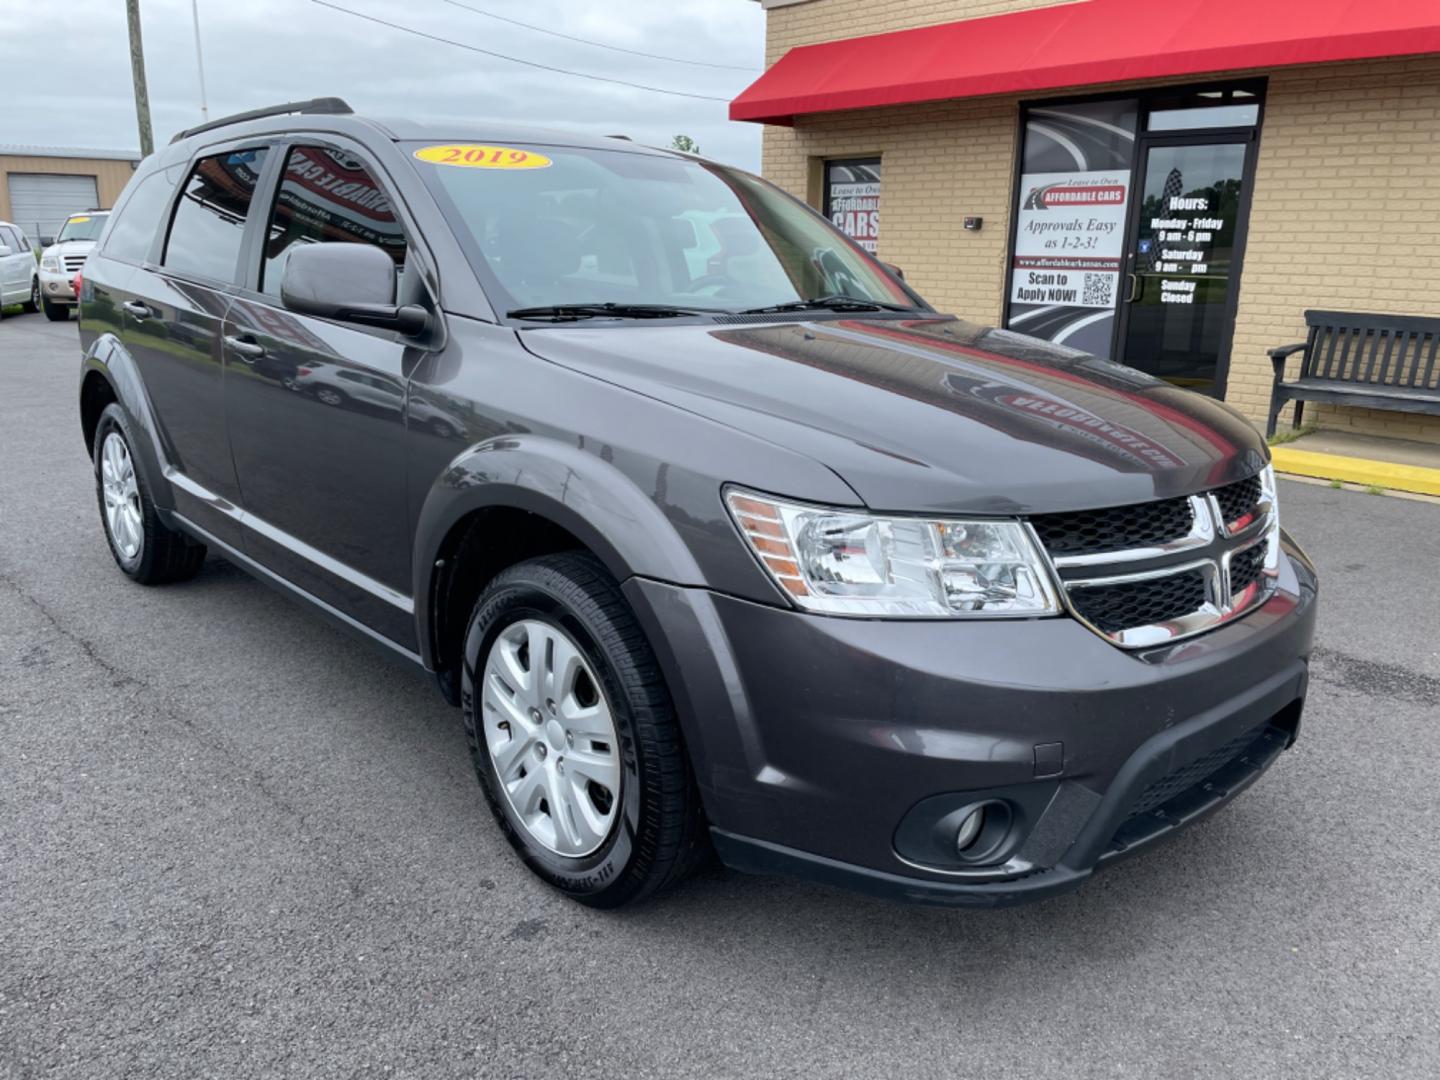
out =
column 1352, row 358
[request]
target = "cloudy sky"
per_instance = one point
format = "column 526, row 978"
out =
column 65, row 78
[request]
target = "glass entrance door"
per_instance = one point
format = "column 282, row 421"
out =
column 1184, row 259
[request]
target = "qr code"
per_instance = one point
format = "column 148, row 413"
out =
column 1099, row 290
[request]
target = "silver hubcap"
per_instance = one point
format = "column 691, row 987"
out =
column 551, row 738
column 122, row 497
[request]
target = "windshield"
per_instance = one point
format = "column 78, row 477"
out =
column 82, row 227
column 565, row 226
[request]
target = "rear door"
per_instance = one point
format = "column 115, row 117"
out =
column 316, row 409
column 173, row 312
column 17, row 268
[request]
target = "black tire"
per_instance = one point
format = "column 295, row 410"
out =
column 658, row 834
column 55, row 312
column 165, row 554
column 33, row 304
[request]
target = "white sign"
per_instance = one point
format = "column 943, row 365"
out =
column 1069, row 238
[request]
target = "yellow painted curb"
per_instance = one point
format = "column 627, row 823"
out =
column 1385, row 474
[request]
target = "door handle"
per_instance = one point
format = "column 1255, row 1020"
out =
column 138, row 309
column 246, row 348
column 1132, row 288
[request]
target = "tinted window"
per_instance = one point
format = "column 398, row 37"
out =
column 210, row 215
column 11, row 238
column 327, row 195
column 139, row 217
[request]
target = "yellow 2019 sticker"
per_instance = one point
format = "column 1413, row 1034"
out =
column 77, row 220
column 472, row 156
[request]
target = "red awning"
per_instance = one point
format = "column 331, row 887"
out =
column 1081, row 44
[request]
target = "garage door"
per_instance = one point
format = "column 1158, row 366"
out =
column 40, row 202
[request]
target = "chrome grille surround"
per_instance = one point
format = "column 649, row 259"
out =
column 1207, row 550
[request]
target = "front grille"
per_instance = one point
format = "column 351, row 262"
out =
column 73, row 263
column 1238, row 499
column 1124, row 605
column 1192, row 775
column 1246, row 566
column 1117, row 528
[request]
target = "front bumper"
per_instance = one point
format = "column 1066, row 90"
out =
column 815, row 738
column 58, row 288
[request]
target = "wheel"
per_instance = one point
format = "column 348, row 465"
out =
column 33, row 304
column 55, row 312
column 573, row 734
column 145, row 549
column 329, row 396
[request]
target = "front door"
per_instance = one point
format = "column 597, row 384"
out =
column 315, row 409
column 1183, row 261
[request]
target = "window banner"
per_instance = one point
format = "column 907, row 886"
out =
column 1074, row 194
column 852, row 200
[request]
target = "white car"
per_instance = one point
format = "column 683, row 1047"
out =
column 62, row 260
column 19, row 278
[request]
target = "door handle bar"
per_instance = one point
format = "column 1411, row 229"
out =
column 247, row 350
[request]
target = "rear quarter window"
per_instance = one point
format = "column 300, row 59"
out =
column 210, row 215
column 137, row 219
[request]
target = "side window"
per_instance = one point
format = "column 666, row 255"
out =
column 138, row 217
column 210, row 215
column 327, row 195
column 7, row 238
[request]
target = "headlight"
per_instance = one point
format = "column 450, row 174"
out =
column 51, row 263
column 842, row 562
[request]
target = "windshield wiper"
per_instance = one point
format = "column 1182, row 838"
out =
column 834, row 302
column 564, row 312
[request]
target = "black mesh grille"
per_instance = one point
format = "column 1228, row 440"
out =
column 1189, row 776
column 1093, row 532
column 1245, row 567
column 1238, row 499
column 1111, row 608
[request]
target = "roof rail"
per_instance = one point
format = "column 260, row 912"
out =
column 325, row 105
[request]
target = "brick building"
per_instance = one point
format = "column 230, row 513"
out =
column 1167, row 185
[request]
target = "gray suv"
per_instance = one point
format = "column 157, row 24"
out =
column 721, row 538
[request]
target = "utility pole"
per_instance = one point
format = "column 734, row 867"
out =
column 199, row 60
column 137, row 72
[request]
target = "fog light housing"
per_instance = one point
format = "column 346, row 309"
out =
column 969, row 830
column 982, row 831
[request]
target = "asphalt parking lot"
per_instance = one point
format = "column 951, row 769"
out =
column 237, row 843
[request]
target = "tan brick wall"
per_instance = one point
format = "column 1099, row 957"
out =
column 940, row 163
column 1346, row 210
column 1346, row 215
column 825, row 20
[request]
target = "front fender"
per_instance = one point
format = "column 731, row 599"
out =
column 108, row 359
column 582, row 493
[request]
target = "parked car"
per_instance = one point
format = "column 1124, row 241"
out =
column 19, row 277
column 62, row 260
column 752, row 551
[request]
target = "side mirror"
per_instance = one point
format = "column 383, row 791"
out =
column 894, row 270
column 5, row 250
column 46, row 241
column 348, row 282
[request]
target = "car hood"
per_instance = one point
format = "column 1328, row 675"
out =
column 931, row 415
column 70, row 247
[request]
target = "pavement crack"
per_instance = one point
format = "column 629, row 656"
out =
column 1373, row 678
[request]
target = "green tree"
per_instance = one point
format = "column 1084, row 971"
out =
column 684, row 144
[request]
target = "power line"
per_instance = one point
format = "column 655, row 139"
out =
column 516, row 59
column 597, row 44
